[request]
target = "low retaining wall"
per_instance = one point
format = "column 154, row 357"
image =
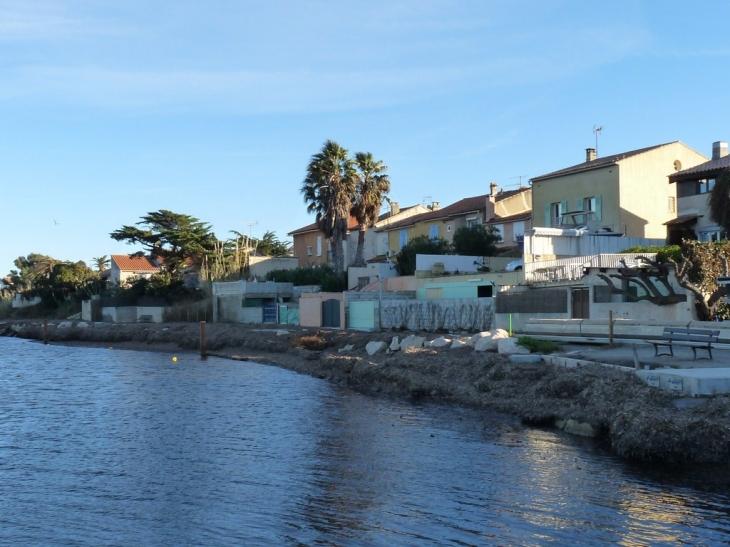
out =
column 469, row 314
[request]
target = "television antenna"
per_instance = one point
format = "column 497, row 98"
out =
column 597, row 131
column 519, row 177
column 250, row 225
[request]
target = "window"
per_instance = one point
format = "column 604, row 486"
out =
column 309, row 251
column 695, row 187
column 319, row 245
column 473, row 221
column 518, row 230
column 448, row 227
column 402, row 238
column 671, row 205
column 553, row 212
column 433, row 231
column 592, row 203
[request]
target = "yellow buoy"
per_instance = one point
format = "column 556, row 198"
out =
column 174, row 359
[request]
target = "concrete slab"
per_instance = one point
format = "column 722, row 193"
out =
column 689, row 382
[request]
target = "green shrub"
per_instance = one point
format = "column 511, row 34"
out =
column 663, row 252
column 537, row 346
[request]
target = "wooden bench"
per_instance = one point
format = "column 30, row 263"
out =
column 691, row 338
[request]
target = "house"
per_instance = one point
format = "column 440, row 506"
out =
column 126, row 267
column 510, row 213
column 312, row 248
column 437, row 222
column 626, row 193
column 693, row 186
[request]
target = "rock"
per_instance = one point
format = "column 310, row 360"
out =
column 485, row 344
column 577, row 428
column 65, row 325
column 531, row 358
column 375, row 347
column 281, row 332
column 478, row 336
column 509, row 346
column 82, row 325
column 412, row 341
column 439, row 342
column 500, row 333
column 16, row 328
column 348, row 347
column 456, row 344
column 395, row 344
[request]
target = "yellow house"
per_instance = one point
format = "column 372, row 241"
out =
column 510, row 213
column 628, row 192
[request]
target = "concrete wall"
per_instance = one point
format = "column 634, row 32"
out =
column 156, row 313
column 645, row 188
column 371, row 271
column 469, row 314
column 310, row 308
column 131, row 314
column 540, row 247
column 261, row 265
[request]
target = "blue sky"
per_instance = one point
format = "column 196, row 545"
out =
column 110, row 110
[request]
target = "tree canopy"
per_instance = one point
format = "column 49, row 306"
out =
column 373, row 185
column 179, row 240
column 476, row 240
column 406, row 258
column 329, row 189
column 719, row 201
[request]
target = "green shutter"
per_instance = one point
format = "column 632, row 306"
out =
column 598, row 208
column 547, row 215
column 579, row 204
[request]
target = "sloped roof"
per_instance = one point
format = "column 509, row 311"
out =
column 461, row 207
column 128, row 263
column 527, row 215
column 698, row 171
column 598, row 163
column 314, row 228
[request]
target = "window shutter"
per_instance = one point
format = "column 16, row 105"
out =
column 563, row 207
column 547, row 215
column 598, row 208
column 579, row 204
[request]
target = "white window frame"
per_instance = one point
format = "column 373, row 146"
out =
column 518, row 229
column 319, row 245
column 309, row 250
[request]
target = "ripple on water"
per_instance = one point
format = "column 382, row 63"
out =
column 116, row 448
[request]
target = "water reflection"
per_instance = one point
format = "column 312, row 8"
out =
column 110, row 447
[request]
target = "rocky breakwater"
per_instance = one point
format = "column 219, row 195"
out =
column 639, row 421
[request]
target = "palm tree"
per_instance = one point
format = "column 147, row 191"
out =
column 719, row 202
column 329, row 189
column 102, row 263
column 372, row 187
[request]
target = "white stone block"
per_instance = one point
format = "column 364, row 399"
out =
column 458, row 344
column 509, row 346
column 412, row 341
column 439, row 342
column 478, row 336
column 347, row 348
column 82, row 325
column 395, row 344
column 65, row 325
column 375, row 347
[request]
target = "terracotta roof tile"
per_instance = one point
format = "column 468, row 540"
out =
column 527, row 215
column 128, row 263
column 463, row 206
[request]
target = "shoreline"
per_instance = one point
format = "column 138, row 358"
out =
column 640, row 422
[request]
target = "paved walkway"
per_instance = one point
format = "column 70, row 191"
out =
column 623, row 354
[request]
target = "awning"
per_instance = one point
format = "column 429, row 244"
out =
column 681, row 220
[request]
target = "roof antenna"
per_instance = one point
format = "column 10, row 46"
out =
column 519, row 177
column 597, row 131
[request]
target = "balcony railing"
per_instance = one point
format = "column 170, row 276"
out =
column 568, row 269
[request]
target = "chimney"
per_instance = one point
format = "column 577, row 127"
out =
column 394, row 208
column 493, row 188
column 590, row 154
column 435, row 206
column 719, row 150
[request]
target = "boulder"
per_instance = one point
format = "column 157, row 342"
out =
column 412, row 341
column 509, row 346
column 65, row 325
column 456, row 344
column 82, row 325
column 478, row 336
column 439, row 342
column 394, row 344
column 485, row 344
column 375, row 347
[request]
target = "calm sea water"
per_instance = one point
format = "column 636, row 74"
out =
column 106, row 447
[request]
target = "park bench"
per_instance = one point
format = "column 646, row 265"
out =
column 691, row 338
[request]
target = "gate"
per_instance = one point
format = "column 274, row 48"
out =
column 331, row 313
column 580, row 303
column 270, row 313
